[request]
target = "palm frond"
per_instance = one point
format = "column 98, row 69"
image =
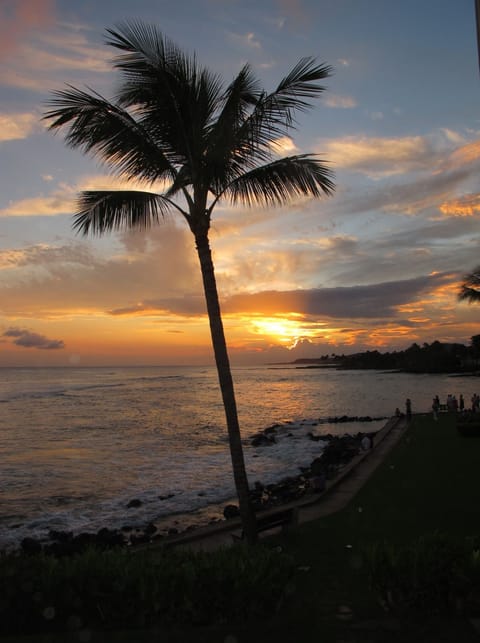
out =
column 97, row 126
column 105, row 211
column 301, row 83
column 144, row 50
column 237, row 102
column 273, row 114
column 470, row 288
column 278, row 182
column 172, row 96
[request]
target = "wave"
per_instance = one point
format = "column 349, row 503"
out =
column 56, row 392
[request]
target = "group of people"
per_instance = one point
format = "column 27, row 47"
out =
column 454, row 405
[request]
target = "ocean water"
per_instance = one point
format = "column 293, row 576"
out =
column 78, row 444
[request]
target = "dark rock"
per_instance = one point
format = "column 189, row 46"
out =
column 261, row 439
column 318, row 483
column 158, row 537
column 139, row 539
column 172, row 531
column 167, row 497
column 109, row 537
column 134, row 503
column 31, row 545
column 317, row 467
column 231, row 511
column 271, row 429
column 84, row 540
column 150, row 529
column 60, row 536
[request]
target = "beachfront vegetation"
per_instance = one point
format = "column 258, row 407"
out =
column 431, row 575
column 117, row 588
column 437, row 357
column 175, row 128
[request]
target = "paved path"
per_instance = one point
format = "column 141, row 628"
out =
column 346, row 488
column 337, row 495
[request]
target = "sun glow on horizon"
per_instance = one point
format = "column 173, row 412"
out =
column 285, row 331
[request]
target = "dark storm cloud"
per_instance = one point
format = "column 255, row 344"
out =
column 353, row 302
column 27, row 339
column 370, row 301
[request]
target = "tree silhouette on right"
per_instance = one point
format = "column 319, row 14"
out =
column 470, row 288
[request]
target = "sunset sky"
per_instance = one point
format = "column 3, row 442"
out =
column 376, row 266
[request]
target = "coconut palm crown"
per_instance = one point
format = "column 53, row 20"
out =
column 174, row 124
column 470, row 288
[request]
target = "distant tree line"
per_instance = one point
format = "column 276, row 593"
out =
column 436, row 357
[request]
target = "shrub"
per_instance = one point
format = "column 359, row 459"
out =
column 429, row 576
column 118, row 588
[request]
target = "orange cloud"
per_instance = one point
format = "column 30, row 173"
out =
column 466, row 154
column 466, row 206
column 17, row 126
column 378, row 156
column 18, row 17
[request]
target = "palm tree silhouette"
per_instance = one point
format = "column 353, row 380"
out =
column 470, row 288
column 192, row 142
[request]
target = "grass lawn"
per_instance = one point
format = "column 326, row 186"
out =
column 428, row 483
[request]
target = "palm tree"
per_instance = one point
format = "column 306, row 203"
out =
column 172, row 124
column 470, row 288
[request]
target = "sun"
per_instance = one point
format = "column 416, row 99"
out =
column 285, row 331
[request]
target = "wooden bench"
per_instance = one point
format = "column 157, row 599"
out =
column 283, row 518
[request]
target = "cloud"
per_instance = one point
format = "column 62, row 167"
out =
column 284, row 146
column 62, row 199
column 379, row 157
column 465, row 154
column 46, row 281
column 44, row 51
column 465, row 206
column 28, row 339
column 341, row 102
column 370, row 301
column 19, row 17
column 57, row 203
column 294, row 10
column 18, row 126
column 246, row 40
column 379, row 300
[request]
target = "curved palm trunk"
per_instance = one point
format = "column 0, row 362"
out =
column 226, row 385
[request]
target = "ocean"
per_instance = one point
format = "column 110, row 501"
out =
column 78, row 445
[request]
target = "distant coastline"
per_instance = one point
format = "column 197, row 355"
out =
column 437, row 357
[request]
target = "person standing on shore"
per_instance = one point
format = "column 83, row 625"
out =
column 408, row 407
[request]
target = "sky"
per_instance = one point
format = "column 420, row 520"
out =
column 376, row 266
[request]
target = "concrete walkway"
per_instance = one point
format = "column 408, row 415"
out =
column 362, row 469
column 338, row 493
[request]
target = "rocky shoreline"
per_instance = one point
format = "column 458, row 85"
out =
column 337, row 453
